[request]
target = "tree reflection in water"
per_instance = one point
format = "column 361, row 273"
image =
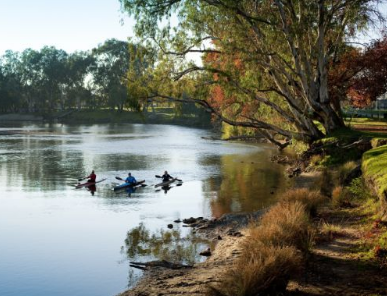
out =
column 169, row 245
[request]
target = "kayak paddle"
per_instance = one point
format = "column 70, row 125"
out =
column 142, row 185
column 157, row 176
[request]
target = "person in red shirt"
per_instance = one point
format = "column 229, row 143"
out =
column 92, row 177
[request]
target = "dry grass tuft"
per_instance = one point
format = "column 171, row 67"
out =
column 311, row 199
column 285, row 224
column 330, row 231
column 339, row 196
column 265, row 271
column 270, row 253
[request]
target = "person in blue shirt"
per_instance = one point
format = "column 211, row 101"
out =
column 130, row 179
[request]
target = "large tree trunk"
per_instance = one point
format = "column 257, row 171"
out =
column 331, row 120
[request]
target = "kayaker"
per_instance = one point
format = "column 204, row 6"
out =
column 130, row 179
column 92, row 177
column 166, row 177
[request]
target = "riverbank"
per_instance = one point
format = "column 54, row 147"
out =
column 226, row 233
column 347, row 255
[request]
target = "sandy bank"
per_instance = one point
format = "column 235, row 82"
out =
column 227, row 233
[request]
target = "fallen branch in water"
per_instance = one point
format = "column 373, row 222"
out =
column 162, row 263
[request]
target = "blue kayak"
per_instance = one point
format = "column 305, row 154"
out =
column 125, row 185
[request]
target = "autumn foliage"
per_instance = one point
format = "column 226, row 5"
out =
column 360, row 76
column 357, row 75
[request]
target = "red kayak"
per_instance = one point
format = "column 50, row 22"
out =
column 87, row 184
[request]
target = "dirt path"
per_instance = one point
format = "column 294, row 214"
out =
column 337, row 266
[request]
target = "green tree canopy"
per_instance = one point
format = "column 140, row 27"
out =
column 269, row 58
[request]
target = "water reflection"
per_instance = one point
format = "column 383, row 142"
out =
column 92, row 189
column 130, row 190
column 168, row 187
column 245, row 183
column 170, row 245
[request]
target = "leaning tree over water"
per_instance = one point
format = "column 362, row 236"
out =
column 265, row 62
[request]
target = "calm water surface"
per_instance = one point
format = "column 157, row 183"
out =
column 57, row 240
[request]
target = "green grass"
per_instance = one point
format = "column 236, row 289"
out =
column 347, row 133
column 366, row 121
column 374, row 168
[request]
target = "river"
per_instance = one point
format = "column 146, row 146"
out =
column 58, row 240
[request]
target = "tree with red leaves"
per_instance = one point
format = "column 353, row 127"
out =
column 360, row 75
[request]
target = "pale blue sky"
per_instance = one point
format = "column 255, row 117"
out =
column 68, row 24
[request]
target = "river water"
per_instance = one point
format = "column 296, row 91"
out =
column 58, row 240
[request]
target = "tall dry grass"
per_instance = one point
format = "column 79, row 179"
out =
column 340, row 196
column 285, row 224
column 311, row 199
column 272, row 250
column 271, row 253
column 266, row 271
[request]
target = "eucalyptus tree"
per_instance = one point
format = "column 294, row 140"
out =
column 11, row 81
column 54, row 76
column 4, row 95
column 22, row 75
column 31, row 75
column 78, row 69
column 269, row 59
column 109, row 75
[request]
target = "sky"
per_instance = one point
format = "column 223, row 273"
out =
column 71, row 25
